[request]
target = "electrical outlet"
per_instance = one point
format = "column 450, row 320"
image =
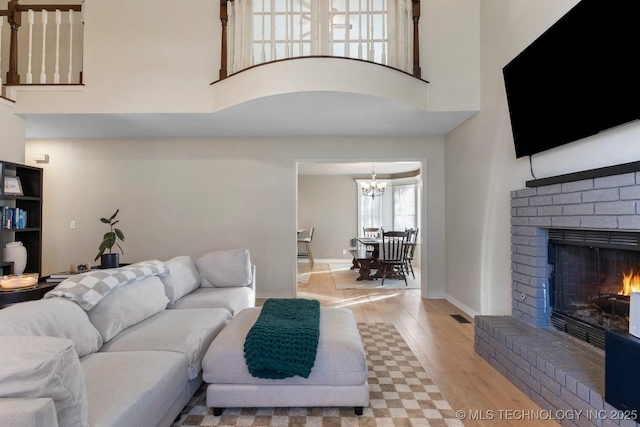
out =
column 72, row 225
column 485, row 299
column 344, row 252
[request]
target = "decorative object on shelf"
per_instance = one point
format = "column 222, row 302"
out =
column 19, row 281
column 373, row 188
column 79, row 268
column 15, row 252
column 110, row 260
column 12, row 186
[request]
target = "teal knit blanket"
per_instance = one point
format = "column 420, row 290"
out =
column 284, row 340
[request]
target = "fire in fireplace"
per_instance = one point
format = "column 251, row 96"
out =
column 592, row 275
column 630, row 283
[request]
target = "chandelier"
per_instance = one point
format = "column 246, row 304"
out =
column 373, row 188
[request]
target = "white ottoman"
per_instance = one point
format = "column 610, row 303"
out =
column 338, row 377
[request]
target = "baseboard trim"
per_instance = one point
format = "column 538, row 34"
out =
column 468, row 310
column 436, row 295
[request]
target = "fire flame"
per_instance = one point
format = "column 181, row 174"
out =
column 630, row 283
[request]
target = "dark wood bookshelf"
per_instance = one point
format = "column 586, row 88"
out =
column 31, row 180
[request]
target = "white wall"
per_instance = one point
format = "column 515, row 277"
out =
column 481, row 168
column 12, row 139
column 450, row 53
column 190, row 196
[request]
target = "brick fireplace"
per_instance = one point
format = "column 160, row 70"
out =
column 604, row 203
column 553, row 368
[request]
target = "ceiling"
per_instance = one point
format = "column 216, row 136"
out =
column 300, row 114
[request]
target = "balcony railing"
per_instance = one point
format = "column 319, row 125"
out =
column 260, row 31
column 51, row 40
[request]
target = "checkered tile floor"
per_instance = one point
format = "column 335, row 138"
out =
column 402, row 394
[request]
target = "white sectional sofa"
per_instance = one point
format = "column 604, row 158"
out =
column 119, row 347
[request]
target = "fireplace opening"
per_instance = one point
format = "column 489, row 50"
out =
column 591, row 276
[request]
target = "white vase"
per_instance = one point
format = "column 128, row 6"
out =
column 15, row 252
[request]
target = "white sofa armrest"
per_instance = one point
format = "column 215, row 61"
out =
column 28, row 412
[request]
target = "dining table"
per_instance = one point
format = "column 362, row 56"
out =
column 364, row 260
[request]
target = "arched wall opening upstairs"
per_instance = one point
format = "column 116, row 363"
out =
column 260, row 31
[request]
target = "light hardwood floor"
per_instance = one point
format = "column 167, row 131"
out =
column 443, row 345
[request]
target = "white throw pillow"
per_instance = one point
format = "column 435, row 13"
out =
column 183, row 278
column 128, row 305
column 53, row 317
column 225, row 269
column 35, row 367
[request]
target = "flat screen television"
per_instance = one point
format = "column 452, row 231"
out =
column 580, row 77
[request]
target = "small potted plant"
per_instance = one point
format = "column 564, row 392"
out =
column 110, row 238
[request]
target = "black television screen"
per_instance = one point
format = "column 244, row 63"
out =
column 580, row 77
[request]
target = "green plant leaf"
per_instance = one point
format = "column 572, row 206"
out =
column 110, row 240
column 114, row 215
column 99, row 254
column 105, row 220
column 119, row 233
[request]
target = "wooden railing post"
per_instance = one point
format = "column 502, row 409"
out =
column 14, row 18
column 417, row 72
column 224, row 18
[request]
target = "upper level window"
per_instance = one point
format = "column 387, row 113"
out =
column 373, row 30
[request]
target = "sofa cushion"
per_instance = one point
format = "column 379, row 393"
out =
column 37, row 367
column 184, row 331
column 54, row 317
column 223, row 269
column 233, row 299
column 182, row 279
column 128, row 305
column 133, row 388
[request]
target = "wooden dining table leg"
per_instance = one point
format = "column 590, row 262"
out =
column 365, row 270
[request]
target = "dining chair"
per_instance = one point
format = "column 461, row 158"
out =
column 392, row 254
column 370, row 232
column 412, row 238
column 307, row 243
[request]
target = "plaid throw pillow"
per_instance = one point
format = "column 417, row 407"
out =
column 87, row 289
